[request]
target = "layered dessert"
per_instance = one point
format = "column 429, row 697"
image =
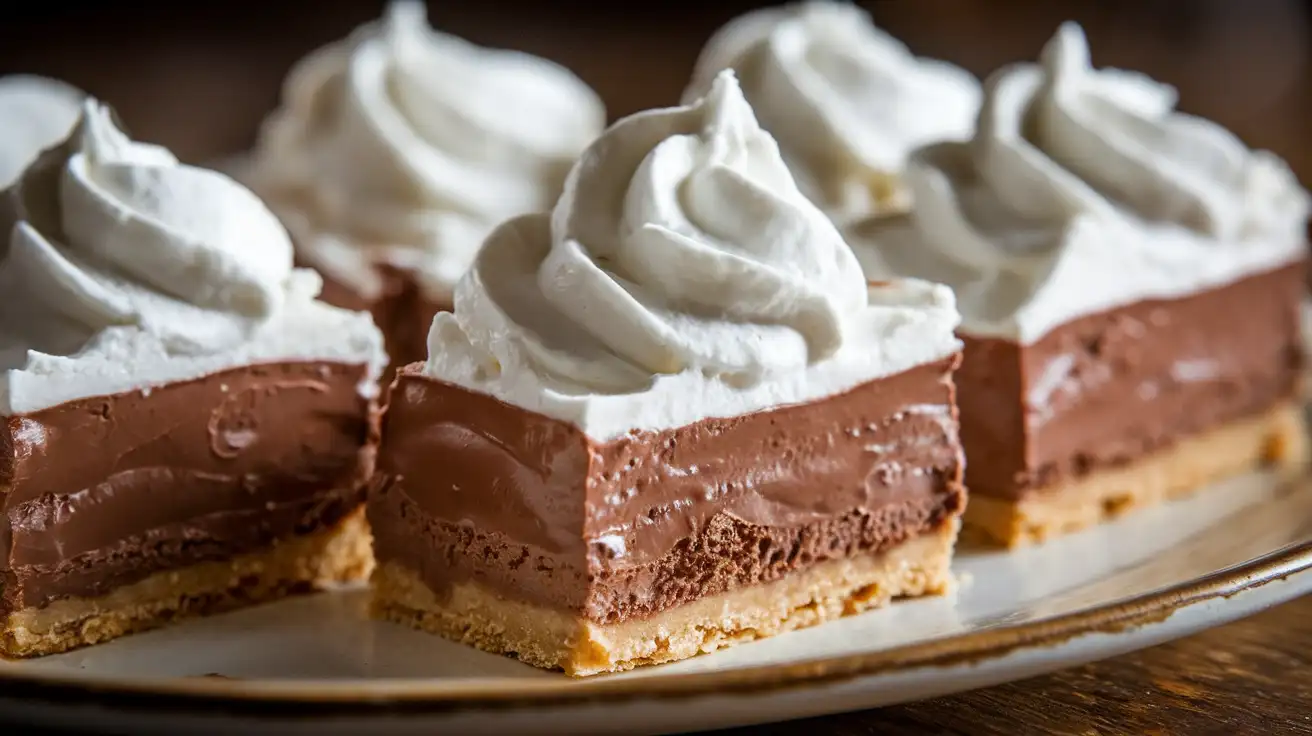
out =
column 846, row 101
column 35, row 113
column 184, row 428
column 1129, row 279
column 669, row 416
column 396, row 151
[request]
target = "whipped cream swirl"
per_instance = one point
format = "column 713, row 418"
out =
column 683, row 263
column 1083, row 190
column 109, row 232
column 846, row 101
column 406, row 145
column 35, row 113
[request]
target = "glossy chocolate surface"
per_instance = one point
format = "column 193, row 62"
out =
column 470, row 488
column 104, row 491
column 1106, row 389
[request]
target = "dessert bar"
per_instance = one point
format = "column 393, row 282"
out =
column 183, row 428
column 657, row 425
column 1130, row 281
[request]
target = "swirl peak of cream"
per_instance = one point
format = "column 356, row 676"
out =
column 1084, row 190
column 119, row 255
column 405, row 145
column 846, row 101
column 35, row 113
column 681, row 275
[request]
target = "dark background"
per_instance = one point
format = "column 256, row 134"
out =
column 198, row 77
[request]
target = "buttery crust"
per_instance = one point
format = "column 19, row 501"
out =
column 553, row 639
column 1277, row 438
column 297, row 565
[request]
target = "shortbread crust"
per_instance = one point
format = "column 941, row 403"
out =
column 298, row 565
column 1277, row 438
column 553, row 639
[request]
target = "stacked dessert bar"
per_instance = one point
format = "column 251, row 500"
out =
column 1130, row 281
column 183, row 427
column 668, row 416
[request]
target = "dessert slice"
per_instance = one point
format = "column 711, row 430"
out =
column 397, row 150
column 668, row 417
column 183, row 427
column 846, row 101
column 1129, row 279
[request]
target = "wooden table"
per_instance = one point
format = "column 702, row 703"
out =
column 198, row 77
column 1253, row 676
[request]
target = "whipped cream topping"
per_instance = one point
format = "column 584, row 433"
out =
column 406, row 146
column 681, row 275
column 126, row 269
column 846, row 101
column 1081, row 191
column 35, row 113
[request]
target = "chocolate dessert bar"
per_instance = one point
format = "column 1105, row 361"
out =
column 131, row 509
column 1132, row 406
column 656, row 426
column 1130, row 315
column 515, row 532
column 389, row 176
column 184, row 429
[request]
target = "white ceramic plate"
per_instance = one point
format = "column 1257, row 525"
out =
column 317, row 665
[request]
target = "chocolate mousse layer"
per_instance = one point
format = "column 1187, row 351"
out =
column 472, row 489
column 102, row 492
column 1104, row 390
column 400, row 310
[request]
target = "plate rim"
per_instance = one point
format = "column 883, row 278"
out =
column 416, row 695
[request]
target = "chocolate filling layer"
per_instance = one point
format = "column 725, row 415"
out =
column 105, row 491
column 1103, row 390
column 401, row 311
column 470, row 488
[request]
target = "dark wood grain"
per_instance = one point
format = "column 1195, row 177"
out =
column 199, row 77
column 1253, row 676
